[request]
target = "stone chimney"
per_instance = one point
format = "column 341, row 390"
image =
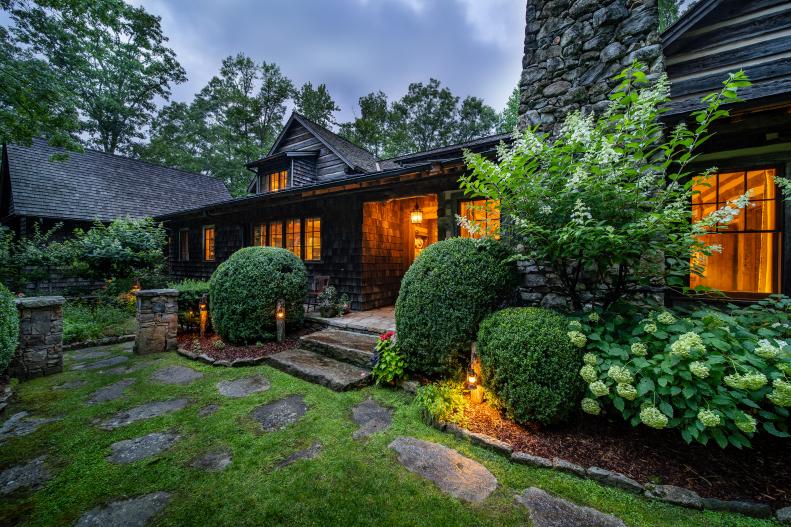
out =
column 573, row 48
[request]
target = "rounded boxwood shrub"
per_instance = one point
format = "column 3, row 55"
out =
column 9, row 327
column 529, row 362
column 444, row 295
column 244, row 291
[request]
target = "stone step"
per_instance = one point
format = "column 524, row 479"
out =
column 320, row 369
column 345, row 346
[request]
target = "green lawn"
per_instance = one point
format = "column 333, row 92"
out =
column 350, row 483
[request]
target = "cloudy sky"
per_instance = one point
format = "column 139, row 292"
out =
column 354, row 46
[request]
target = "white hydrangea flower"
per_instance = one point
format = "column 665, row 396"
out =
column 639, row 349
column 687, row 344
column 599, row 389
column 589, row 358
column 699, row 369
column 590, row 406
column 620, row 374
column 766, row 350
column 588, row 373
column 577, row 338
column 666, row 317
column 651, row 416
column 709, row 418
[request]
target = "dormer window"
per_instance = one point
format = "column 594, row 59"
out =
column 278, row 180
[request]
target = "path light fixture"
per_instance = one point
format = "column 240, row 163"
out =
column 204, row 314
column 280, row 320
column 416, row 216
column 476, row 392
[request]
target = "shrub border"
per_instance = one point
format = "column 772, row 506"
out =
column 665, row 493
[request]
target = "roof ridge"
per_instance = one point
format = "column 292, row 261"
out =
column 446, row 147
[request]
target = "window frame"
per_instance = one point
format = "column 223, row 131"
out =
column 184, row 256
column 305, row 239
column 283, row 178
column 299, row 233
column 213, row 243
column 258, row 226
column 745, row 166
column 462, row 230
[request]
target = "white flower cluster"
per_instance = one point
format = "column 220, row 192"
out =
column 575, row 325
column 699, row 369
column 588, row 373
column 709, row 418
column 639, row 349
column 754, row 380
column 594, row 316
column 766, row 350
column 724, row 215
column 599, row 389
column 627, row 391
column 746, row 423
column 590, row 406
column 577, row 338
column 665, row 317
column 581, row 213
column 545, row 210
column 589, row 358
column 651, row 416
column 649, row 327
column 620, row 374
column 781, row 394
column 687, row 344
column 577, row 127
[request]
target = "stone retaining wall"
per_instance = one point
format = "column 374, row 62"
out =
column 40, row 350
column 157, row 321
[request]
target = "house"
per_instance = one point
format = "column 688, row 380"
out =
column 89, row 186
column 357, row 219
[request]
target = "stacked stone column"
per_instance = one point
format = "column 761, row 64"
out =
column 40, row 350
column 157, row 321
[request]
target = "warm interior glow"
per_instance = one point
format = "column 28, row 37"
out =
column 294, row 237
column 312, row 239
column 208, row 243
column 484, row 214
column 750, row 245
column 259, row 234
column 416, row 216
column 278, row 180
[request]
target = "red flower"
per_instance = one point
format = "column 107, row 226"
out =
column 387, row 335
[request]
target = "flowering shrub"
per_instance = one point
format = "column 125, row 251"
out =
column 711, row 374
column 389, row 362
column 605, row 204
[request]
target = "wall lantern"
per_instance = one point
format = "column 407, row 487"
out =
column 204, row 313
column 476, row 392
column 416, row 216
column 280, row 320
column 136, row 286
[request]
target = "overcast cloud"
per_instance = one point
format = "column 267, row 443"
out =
column 354, row 46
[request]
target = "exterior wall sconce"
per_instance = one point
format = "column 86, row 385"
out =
column 416, row 216
column 204, row 314
column 280, row 320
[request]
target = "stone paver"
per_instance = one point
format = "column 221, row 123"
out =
column 31, row 475
column 243, row 386
column 453, row 473
column 281, row 413
column 179, row 375
column 99, row 364
column 144, row 411
column 208, row 410
column 87, row 354
column 126, row 370
column 309, row 453
column 110, row 392
column 547, row 510
column 372, row 418
column 319, row 369
column 675, row 495
column 71, row 385
column 131, row 450
column 214, row 461
column 135, row 512
column 20, row 424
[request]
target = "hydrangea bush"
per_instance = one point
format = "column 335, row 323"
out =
column 713, row 374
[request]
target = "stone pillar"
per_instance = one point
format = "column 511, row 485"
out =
column 40, row 350
column 157, row 321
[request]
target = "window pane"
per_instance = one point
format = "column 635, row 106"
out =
column 705, row 189
column 484, row 214
column 294, row 237
column 731, row 186
column 184, row 252
column 278, row 180
column 738, row 223
column 313, row 239
column 745, row 264
column 760, row 183
column 259, row 234
column 276, row 234
column 701, row 211
column 208, row 243
column 761, row 215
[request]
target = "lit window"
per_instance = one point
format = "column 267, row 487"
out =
column 278, row 180
column 276, row 234
column 313, row 239
column 184, row 247
column 294, row 237
column 208, row 243
column 484, row 214
column 750, row 245
column 259, row 234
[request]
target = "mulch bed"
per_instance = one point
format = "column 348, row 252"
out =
column 647, row 455
column 231, row 352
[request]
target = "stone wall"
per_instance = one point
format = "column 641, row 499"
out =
column 157, row 321
column 574, row 47
column 40, row 350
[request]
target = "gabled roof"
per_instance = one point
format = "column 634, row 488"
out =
column 93, row 185
column 357, row 158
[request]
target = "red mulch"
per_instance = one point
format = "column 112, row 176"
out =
column 647, row 455
column 231, row 352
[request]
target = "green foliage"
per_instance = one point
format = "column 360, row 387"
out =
column 316, row 104
column 371, row 128
column 444, row 295
column 529, row 363
column 509, row 118
column 668, row 13
column 29, row 260
column 244, row 291
column 442, row 401
column 389, row 362
column 83, row 321
column 109, row 56
column 712, row 374
column 124, row 248
column 9, row 327
column 605, row 204
column 190, row 294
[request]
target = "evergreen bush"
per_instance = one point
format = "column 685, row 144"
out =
column 244, row 291
column 9, row 327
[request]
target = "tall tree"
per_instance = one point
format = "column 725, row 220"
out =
column 112, row 56
column 668, row 13
column 371, row 128
column 509, row 118
column 316, row 104
column 476, row 119
column 276, row 89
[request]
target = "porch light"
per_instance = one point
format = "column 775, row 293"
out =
column 416, row 215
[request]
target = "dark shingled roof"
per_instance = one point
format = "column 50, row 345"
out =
column 93, row 185
column 450, row 151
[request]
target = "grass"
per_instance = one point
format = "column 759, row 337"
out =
column 83, row 322
column 350, row 483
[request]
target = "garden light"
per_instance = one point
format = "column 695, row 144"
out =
column 204, row 314
column 476, row 392
column 280, row 320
